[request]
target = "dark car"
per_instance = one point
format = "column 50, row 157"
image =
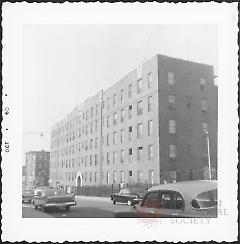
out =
column 52, row 198
column 27, row 196
column 128, row 195
column 190, row 199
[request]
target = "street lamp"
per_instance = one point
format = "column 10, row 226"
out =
column 208, row 153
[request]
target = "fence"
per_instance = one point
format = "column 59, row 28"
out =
column 106, row 190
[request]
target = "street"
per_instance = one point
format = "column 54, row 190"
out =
column 87, row 207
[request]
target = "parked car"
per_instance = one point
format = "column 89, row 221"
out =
column 52, row 198
column 183, row 199
column 128, row 195
column 27, row 195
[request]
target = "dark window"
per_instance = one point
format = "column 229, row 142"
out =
column 151, row 200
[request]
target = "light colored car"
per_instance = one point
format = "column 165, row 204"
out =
column 52, row 198
column 182, row 199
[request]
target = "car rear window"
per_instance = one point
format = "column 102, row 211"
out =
column 205, row 200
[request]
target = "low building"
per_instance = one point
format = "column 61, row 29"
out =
column 37, row 168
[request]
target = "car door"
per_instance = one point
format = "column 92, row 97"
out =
column 149, row 205
column 171, row 204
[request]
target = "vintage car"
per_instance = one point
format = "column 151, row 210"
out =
column 190, row 199
column 52, row 198
column 27, row 195
column 128, row 195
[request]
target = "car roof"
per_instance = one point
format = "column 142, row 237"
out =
column 188, row 188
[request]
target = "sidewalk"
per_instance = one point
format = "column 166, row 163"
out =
column 94, row 198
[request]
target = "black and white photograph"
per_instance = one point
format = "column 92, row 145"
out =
column 128, row 125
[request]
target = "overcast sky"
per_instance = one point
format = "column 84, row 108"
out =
column 65, row 64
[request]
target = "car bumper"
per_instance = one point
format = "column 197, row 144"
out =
column 26, row 199
column 60, row 204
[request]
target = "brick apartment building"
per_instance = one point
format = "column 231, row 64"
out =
column 148, row 127
column 37, row 169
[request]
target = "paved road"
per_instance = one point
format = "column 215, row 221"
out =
column 87, row 207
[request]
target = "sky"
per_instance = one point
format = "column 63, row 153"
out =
column 65, row 64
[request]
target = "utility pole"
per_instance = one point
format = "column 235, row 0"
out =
column 208, row 153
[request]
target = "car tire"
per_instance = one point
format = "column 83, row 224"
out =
column 129, row 203
column 42, row 209
column 114, row 202
column 34, row 206
column 67, row 208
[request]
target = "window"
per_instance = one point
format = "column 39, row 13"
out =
column 122, row 96
column 140, row 177
column 139, row 108
column 122, row 156
column 130, row 153
column 204, row 126
column 114, row 177
column 150, row 152
column 108, row 103
column 85, row 160
column 91, row 128
column 114, row 137
column 97, row 108
column 203, row 105
column 205, row 200
column 114, row 157
column 122, row 135
column 130, row 173
column 139, row 154
column 87, row 116
column 149, row 104
column 91, row 112
column 108, row 177
column 108, row 118
column 114, row 99
column 108, row 161
column 150, row 127
column 115, row 118
column 130, row 111
column 96, row 176
column 122, row 176
column 108, row 139
column 149, row 80
column 90, row 160
column 150, row 176
column 96, row 126
column 96, row 142
column 151, row 200
column 86, row 131
column 96, row 159
column 166, row 200
column 90, row 176
column 172, row 126
column 171, row 79
column 203, row 83
column 139, row 86
column 139, row 130
column 122, row 115
column 171, row 100
column 130, row 133
column 172, row 151
column 129, row 90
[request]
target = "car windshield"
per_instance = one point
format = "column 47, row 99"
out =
column 206, row 199
column 54, row 192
